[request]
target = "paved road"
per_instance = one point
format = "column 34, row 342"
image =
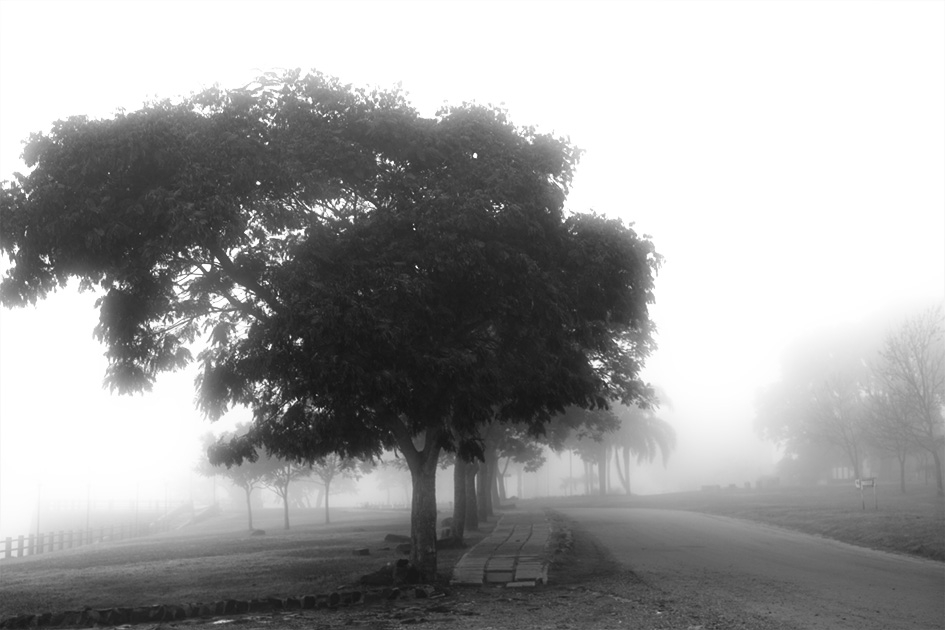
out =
column 794, row 579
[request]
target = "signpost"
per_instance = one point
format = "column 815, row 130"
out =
column 869, row 482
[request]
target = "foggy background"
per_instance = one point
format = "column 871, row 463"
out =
column 788, row 160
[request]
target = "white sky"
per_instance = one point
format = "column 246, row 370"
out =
column 788, row 159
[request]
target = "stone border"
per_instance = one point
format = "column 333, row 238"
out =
column 89, row 617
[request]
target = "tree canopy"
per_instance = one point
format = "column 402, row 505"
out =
column 360, row 276
column 858, row 394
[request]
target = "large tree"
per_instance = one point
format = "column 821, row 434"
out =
column 360, row 276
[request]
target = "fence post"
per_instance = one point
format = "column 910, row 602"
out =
column 8, row 548
column 19, row 547
column 62, row 536
column 31, row 547
column 39, row 542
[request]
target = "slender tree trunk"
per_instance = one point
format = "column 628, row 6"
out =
column 249, row 505
column 624, row 478
column 327, row 493
column 588, row 479
column 626, row 466
column 854, row 456
column 472, row 505
column 602, row 468
column 285, row 506
column 938, row 472
column 495, row 502
column 902, row 471
column 459, row 499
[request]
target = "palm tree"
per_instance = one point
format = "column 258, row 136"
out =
column 643, row 434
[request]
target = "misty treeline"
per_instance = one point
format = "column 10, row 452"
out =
column 851, row 397
column 363, row 278
column 600, row 437
column 289, row 479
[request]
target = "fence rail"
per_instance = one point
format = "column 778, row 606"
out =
column 35, row 544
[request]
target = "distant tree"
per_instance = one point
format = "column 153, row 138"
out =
column 584, row 432
column 889, row 429
column 247, row 476
column 279, row 475
column 359, row 276
column 819, row 406
column 516, row 446
column 643, row 435
column 333, row 467
column 911, row 373
column 395, row 475
column 839, row 415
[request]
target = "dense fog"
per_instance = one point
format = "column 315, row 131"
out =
column 795, row 193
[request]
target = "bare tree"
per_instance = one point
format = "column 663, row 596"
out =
column 912, row 372
column 890, row 430
column 838, row 416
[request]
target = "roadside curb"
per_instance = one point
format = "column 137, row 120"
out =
column 163, row 613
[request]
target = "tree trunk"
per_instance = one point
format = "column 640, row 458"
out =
column 854, row 455
column 485, row 487
column 492, row 460
column 285, row 506
column 422, row 463
column 327, row 492
column 602, row 468
column 902, row 471
column 423, row 520
column 472, row 505
column 459, row 499
column 249, row 505
column 626, row 466
column 503, row 494
column 624, row 478
column 938, row 472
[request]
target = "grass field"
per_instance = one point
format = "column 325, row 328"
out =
column 911, row 523
column 218, row 559
column 211, row 561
